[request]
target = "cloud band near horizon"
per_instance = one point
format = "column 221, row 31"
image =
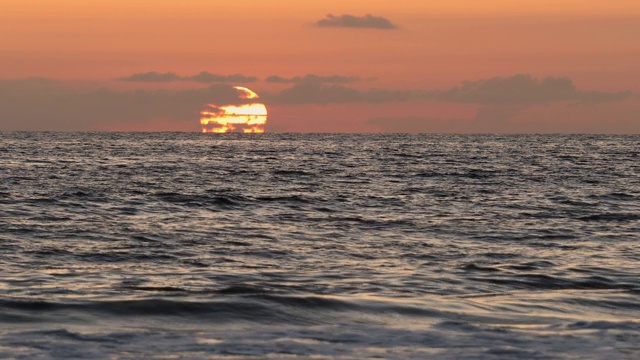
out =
column 43, row 104
column 516, row 89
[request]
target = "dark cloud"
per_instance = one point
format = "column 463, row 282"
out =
column 49, row 105
column 350, row 21
column 207, row 77
column 333, row 79
column 202, row 77
column 524, row 89
column 317, row 92
column 517, row 89
column 152, row 76
column 312, row 89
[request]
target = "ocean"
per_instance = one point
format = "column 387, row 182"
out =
column 278, row 246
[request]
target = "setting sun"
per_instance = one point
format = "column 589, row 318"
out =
column 245, row 118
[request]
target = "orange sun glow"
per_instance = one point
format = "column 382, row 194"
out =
column 245, row 118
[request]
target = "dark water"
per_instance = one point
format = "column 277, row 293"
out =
column 328, row 246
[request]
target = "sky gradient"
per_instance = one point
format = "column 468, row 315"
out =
column 376, row 66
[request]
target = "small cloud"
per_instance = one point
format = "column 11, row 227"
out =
column 333, row 79
column 207, row 77
column 350, row 21
column 278, row 79
column 203, row 77
column 152, row 76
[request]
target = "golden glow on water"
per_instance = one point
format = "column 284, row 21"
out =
column 246, row 118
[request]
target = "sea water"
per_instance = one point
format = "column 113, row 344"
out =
column 156, row 245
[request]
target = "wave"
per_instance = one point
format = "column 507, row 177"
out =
column 230, row 201
column 550, row 282
column 230, row 304
column 252, row 304
column 221, row 201
column 607, row 217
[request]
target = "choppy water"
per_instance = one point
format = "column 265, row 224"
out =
column 347, row 246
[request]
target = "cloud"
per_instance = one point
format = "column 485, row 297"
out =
column 38, row 104
column 317, row 92
column 516, row 89
column 202, row 77
column 524, row 89
column 152, row 76
column 333, row 79
column 543, row 118
column 313, row 89
column 207, row 77
column 350, row 21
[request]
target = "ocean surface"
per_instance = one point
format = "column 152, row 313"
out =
column 173, row 245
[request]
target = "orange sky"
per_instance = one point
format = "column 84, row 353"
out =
column 436, row 46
